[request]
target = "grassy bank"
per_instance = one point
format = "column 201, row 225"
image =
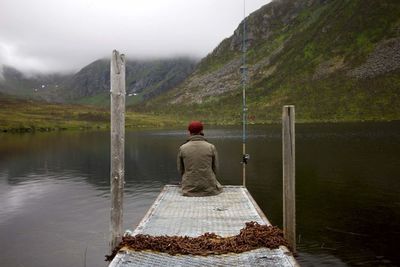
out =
column 18, row 115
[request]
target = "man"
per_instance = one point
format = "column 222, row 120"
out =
column 198, row 164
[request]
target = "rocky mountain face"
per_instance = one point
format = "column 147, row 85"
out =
column 91, row 85
column 90, row 80
column 144, row 79
column 334, row 59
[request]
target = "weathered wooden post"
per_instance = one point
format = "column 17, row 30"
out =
column 289, row 194
column 117, row 172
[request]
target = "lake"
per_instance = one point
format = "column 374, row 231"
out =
column 55, row 200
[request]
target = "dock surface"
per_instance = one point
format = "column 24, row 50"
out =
column 224, row 214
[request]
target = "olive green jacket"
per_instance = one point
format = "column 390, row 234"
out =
column 198, row 163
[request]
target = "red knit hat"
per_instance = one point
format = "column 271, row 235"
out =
column 195, row 127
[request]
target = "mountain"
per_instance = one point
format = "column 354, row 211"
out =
column 39, row 86
column 335, row 60
column 91, row 85
column 145, row 79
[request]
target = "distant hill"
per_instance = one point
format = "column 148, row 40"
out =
column 336, row 60
column 39, row 87
column 144, row 80
column 91, row 85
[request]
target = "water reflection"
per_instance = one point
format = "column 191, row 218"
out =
column 54, row 189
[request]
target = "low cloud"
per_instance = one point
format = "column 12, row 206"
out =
column 59, row 36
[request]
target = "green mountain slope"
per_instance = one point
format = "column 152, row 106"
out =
column 336, row 60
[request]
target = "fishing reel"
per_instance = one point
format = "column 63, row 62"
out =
column 245, row 158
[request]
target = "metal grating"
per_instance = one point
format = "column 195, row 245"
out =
column 224, row 214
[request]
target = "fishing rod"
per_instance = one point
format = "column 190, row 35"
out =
column 243, row 70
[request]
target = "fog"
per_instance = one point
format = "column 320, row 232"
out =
column 59, row 36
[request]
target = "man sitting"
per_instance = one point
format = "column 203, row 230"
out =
column 198, row 164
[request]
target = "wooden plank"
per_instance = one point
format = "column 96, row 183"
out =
column 174, row 214
column 150, row 212
column 258, row 209
column 117, row 172
column 289, row 194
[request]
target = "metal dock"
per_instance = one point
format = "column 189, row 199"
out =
column 224, row 214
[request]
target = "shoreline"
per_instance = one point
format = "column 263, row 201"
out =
column 167, row 125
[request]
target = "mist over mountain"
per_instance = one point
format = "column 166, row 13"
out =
column 56, row 36
column 32, row 86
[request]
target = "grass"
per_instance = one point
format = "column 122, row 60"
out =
column 17, row 115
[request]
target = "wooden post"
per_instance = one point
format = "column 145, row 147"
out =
column 117, row 172
column 289, row 194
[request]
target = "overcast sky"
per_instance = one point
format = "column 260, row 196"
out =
column 65, row 35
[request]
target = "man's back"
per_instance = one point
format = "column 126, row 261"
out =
column 198, row 164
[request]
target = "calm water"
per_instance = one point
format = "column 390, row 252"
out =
column 54, row 190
